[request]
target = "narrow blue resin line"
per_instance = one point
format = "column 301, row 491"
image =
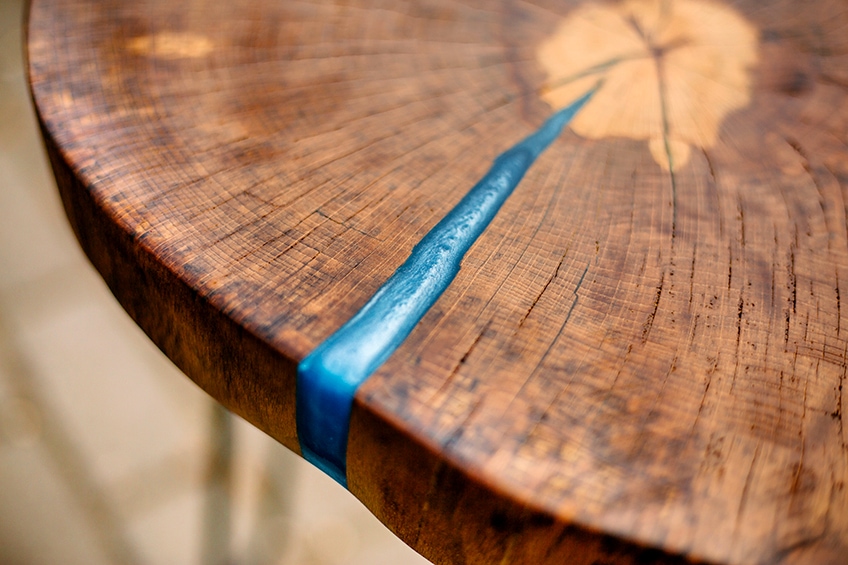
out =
column 328, row 377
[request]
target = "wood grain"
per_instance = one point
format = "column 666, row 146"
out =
column 641, row 360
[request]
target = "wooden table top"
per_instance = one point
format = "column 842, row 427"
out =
column 641, row 357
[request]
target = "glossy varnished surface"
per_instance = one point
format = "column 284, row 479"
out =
column 642, row 357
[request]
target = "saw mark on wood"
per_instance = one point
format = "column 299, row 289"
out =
column 541, row 292
column 646, row 328
column 576, row 296
column 746, row 491
column 446, row 384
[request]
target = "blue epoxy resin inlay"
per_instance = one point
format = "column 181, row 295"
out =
column 329, row 376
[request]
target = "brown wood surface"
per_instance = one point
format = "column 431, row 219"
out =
column 642, row 358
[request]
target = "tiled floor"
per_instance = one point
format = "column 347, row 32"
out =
column 104, row 446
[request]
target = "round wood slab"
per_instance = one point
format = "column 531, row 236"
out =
column 641, row 359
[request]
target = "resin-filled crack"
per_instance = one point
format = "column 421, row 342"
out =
column 328, row 378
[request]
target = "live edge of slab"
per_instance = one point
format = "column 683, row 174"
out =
column 641, row 359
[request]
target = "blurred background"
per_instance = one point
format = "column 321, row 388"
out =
column 108, row 454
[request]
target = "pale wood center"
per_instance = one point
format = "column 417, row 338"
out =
column 672, row 71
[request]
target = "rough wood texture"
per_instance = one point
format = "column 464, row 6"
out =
column 641, row 360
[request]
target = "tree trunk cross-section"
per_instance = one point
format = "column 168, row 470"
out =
column 641, row 360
